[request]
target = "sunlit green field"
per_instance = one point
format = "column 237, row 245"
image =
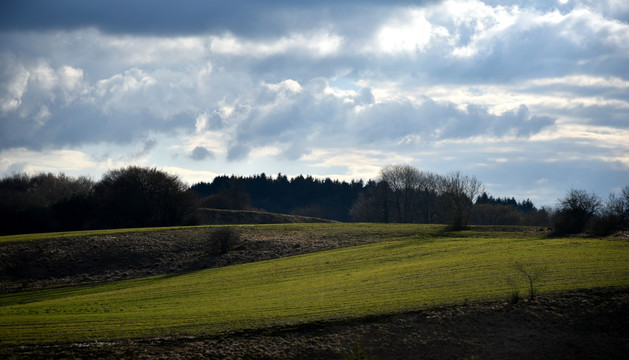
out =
column 393, row 275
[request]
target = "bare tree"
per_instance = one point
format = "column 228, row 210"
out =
column 403, row 181
column 371, row 205
column 618, row 206
column 459, row 192
column 574, row 211
column 532, row 274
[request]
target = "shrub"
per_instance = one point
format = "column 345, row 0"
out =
column 575, row 210
column 532, row 274
column 514, row 296
column 604, row 225
column 223, row 240
column 357, row 353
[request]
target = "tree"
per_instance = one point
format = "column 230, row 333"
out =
column 613, row 216
column 459, row 192
column 489, row 214
column 406, row 194
column 574, row 211
column 44, row 202
column 232, row 196
column 371, row 204
column 618, row 206
column 532, row 274
column 136, row 196
column 403, row 181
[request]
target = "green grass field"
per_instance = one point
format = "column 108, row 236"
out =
column 398, row 274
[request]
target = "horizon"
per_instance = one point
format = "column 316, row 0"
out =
column 530, row 97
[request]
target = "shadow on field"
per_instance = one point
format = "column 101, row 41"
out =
column 586, row 324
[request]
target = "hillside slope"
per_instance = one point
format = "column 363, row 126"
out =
column 235, row 217
column 410, row 272
column 52, row 260
column 395, row 274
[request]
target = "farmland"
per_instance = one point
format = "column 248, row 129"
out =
column 325, row 274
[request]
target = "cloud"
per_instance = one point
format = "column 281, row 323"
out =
column 340, row 86
column 29, row 161
column 200, row 153
column 407, row 32
column 248, row 17
column 318, row 44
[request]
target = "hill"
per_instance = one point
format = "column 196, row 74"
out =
column 227, row 217
column 375, row 281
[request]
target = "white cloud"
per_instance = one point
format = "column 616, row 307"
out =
column 284, row 87
column 407, row 32
column 318, row 44
column 189, row 176
column 582, row 80
column 70, row 78
column 347, row 164
column 443, row 85
column 14, row 87
column 201, row 122
column 476, row 24
column 147, row 50
column 30, row 161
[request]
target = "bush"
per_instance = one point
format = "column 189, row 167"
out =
column 604, row 225
column 575, row 210
column 357, row 353
column 223, row 240
column 514, row 297
column 532, row 274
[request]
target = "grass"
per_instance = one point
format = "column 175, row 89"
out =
column 403, row 273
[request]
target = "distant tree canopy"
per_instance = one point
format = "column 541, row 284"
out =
column 525, row 206
column 44, row 202
column 127, row 197
column 405, row 194
column 306, row 196
column 139, row 197
column 136, row 196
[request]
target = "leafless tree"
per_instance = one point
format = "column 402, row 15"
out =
column 403, row 181
column 574, row 211
column 460, row 191
column 618, row 206
column 532, row 274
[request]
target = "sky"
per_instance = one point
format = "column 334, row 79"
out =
column 531, row 97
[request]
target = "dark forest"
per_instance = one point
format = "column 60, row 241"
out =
column 147, row 197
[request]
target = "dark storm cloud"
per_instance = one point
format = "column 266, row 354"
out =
column 248, row 17
column 200, row 153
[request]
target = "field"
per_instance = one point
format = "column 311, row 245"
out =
column 337, row 273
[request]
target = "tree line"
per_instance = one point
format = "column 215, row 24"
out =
column 300, row 195
column 145, row 197
column 127, row 197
